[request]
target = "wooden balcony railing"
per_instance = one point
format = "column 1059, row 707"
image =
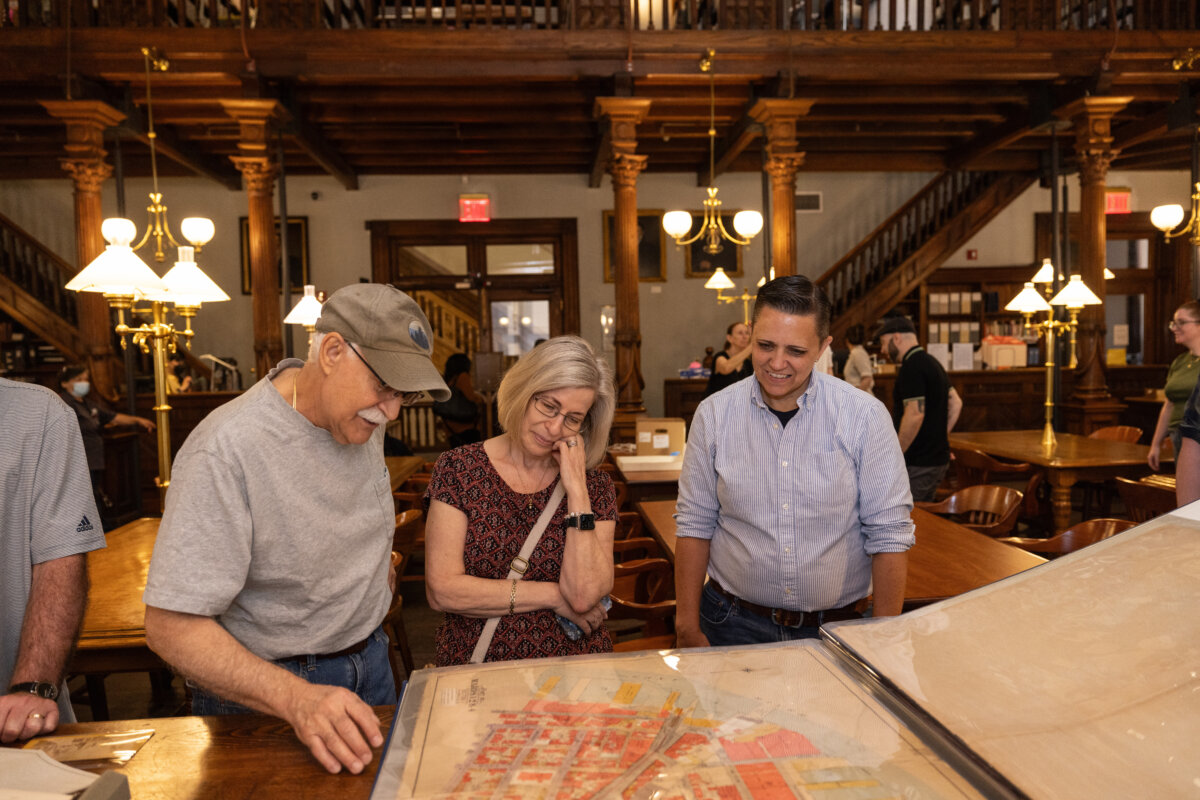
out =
column 661, row 15
column 31, row 289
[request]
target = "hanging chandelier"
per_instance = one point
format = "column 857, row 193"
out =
column 746, row 224
column 196, row 230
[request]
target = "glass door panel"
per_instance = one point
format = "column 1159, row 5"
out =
column 1124, row 316
column 429, row 260
column 535, row 258
column 518, row 324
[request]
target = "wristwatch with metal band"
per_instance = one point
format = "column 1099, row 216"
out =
column 584, row 522
column 40, row 688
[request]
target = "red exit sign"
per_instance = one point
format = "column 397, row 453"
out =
column 1118, row 201
column 474, row 208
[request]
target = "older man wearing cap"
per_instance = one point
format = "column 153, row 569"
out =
column 925, row 406
column 269, row 579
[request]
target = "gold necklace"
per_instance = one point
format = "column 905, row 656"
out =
column 295, row 380
column 538, row 485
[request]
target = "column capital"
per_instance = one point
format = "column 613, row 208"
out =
column 1092, row 118
column 778, row 117
column 258, row 172
column 86, row 121
column 625, row 168
column 622, row 114
column 257, row 119
column 782, row 167
column 89, row 174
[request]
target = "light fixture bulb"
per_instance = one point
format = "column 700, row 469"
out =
column 1167, row 218
column 118, row 231
column 197, row 230
column 677, row 223
column 1046, row 273
column 719, row 280
column 747, row 223
column 1028, row 301
column 1109, row 274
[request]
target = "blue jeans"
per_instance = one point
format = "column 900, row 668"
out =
column 726, row 623
column 367, row 673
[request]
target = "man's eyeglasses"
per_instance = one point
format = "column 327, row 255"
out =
column 406, row 398
column 1176, row 324
column 572, row 422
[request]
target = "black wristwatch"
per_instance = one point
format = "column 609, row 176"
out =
column 584, row 522
column 40, row 688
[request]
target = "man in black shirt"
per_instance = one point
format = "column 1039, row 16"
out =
column 925, row 407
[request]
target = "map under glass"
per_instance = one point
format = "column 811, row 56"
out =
column 773, row 721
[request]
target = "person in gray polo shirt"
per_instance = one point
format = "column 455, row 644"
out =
column 270, row 574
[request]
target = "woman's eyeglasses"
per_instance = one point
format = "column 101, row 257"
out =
column 406, row 398
column 1176, row 324
column 550, row 410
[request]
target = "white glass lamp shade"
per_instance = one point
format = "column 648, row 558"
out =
column 1167, row 218
column 118, row 231
column 118, row 271
column 677, row 223
column 1046, row 273
column 719, row 280
column 747, row 223
column 1109, row 274
column 1028, row 301
column 187, row 285
column 307, row 311
column 1075, row 294
column 197, row 230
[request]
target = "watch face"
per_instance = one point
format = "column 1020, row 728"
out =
column 40, row 688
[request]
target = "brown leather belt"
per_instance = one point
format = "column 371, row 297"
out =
column 789, row 618
column 346, row 651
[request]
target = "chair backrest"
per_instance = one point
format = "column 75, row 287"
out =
column 1145, row 501
column 644, row 590
column 1117, row 433
column 973, row 467
column 986, row 508
column 410, row 525
column 1074, row 538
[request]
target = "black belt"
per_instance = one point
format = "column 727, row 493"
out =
column 346, row 651
column 789, row 618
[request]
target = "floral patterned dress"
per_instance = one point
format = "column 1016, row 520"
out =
column 498, row 522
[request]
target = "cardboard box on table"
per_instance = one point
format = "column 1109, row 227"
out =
column 660, row 436
column 1077, row 678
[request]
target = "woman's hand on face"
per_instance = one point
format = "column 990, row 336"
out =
column 572, row 460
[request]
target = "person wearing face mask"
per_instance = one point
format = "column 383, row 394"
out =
column 925, row 407
column 793, row 500
column 93, row 418
column 271, row 571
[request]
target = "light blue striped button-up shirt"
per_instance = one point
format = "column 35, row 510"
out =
column 795, row 513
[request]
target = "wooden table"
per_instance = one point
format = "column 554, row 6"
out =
column 947, row 559
column 113, row 635
column 242, row 756
column 401, row 468
column 1074, row 458
column 650, row 484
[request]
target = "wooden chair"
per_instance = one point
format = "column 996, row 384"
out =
column 636, row 548
column 629, row 525
column 399, row 652
column 408, row 539
column 975, row 467
column 1145, row 501
column 1074, row 538
column 986, row 508
column 1099, row 494
column 1117, row 433
column 644, row 590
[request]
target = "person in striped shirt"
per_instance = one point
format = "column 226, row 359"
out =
column 793, row 497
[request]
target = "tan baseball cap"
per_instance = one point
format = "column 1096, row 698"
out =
column 390, row 331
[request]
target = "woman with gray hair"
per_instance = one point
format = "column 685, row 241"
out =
column 520, row 526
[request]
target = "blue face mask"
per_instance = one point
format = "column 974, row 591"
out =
column 80, row 388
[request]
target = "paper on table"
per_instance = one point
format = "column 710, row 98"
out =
column 92, row 750
column 23, row 771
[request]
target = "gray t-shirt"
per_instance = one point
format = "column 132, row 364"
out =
column 47, row 510
column 276, row 530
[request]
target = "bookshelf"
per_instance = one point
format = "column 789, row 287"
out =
column 967, row 304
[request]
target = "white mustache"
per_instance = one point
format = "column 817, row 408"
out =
column 373, row 415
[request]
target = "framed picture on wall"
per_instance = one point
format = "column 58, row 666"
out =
column 297, row 229
column 652, row 246
column 699, row 264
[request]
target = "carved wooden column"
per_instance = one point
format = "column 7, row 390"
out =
column 256, row 162
column 621, row 115
column 1090, row 405
column 84, row 162
column 778, row 118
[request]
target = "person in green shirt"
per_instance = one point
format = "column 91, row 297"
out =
column 1181, row 378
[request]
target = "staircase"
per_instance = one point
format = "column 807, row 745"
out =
column 32, row 293
column 912, row 243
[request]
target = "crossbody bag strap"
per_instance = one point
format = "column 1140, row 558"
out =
column 518, row 566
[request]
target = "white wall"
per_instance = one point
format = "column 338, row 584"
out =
column 678, row 318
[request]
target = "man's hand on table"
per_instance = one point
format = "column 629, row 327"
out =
column 336, row 725
column 23, row 715
column 690, row 638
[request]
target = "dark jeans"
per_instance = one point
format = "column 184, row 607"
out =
column 923, row 481
column 367, row 673
column 726, row 623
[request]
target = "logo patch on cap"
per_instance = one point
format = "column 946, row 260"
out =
column 417, row 334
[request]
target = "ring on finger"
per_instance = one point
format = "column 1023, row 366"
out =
column 35, row 715
column 571, row 442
